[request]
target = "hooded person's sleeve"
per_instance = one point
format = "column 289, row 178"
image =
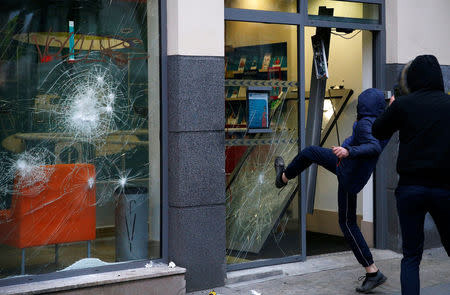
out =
column 349, row 140
column 387, row 123
column 368, row 146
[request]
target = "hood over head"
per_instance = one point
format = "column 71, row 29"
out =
column 370, row 103
column 423, row 72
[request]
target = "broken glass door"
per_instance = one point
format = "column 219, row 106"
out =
column 262, row 221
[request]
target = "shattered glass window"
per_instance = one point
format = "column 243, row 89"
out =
column 261, row 221
column 79, row 134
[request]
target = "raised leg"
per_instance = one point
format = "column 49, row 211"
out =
column 312, row 154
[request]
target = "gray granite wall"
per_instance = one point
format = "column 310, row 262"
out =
column 197, row 168
column 387, row 163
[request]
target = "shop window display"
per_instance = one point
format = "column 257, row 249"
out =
column 261, row 98
column 74, row 103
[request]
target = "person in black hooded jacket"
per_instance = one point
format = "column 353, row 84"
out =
column 353, row 163
column 422, row 116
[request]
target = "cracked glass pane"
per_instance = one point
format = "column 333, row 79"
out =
column 262, row 221
column 79, row 134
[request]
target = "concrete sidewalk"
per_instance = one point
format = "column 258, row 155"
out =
column 336, row 274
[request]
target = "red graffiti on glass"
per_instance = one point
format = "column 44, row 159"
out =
column 106, row 49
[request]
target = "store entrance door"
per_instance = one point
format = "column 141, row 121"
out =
column 349, row 72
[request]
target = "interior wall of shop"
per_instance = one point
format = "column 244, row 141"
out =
column 413, row 27
column 345, row 67
column 196, row 140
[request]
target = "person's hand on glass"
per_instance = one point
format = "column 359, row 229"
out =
column 340, row 152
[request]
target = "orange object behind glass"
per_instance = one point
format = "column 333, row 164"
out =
column 58, row 208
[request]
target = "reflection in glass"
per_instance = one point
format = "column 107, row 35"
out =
column 262, row 221
column 271, row 5
column 74, row 115
column 346, row 11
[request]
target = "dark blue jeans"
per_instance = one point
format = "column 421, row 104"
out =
column 413, row 202
column 346, row 201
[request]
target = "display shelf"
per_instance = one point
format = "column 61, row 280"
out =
column 293, row 95
column 236, row 105
column 253, row 66
column 236, row 99
column 235, row 129
column 265, row 71
column 332, row 93
column 259, row 70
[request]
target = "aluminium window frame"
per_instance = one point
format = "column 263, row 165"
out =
column 302, row 20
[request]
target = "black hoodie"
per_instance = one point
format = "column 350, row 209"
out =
column 423, row 119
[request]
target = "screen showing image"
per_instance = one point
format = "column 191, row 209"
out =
column 258, row 110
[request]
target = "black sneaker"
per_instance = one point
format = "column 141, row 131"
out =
column 371, row 282
column 279, row 169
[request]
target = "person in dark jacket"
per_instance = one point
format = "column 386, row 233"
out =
column 422, row 115
column 353, row 163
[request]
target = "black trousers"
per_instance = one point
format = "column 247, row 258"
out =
column 413, row 202
column 346, row 200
